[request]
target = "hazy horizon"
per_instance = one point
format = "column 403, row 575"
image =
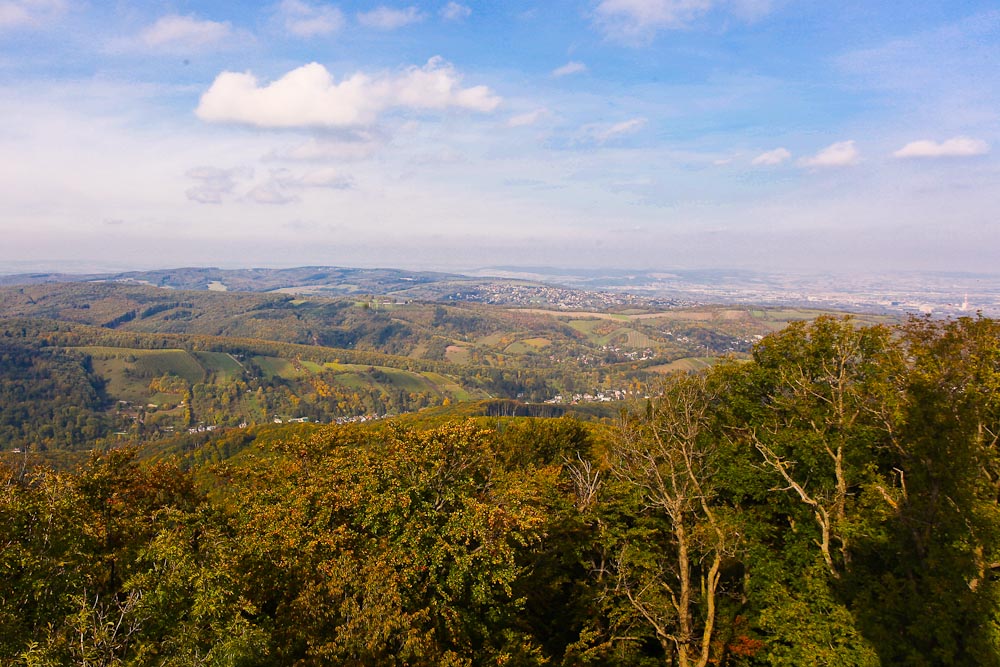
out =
column 766, row 135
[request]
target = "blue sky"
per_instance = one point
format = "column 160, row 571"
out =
column 761, row 134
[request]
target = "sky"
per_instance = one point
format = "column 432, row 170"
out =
column 772, row 135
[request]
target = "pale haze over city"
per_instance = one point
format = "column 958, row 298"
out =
column 655, row 134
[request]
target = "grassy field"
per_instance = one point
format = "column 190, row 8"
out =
column 585, row 327
column 405, row 380
column 493, row 339
column 457, row 354
column 631, row 338
column 686, row 365
column 449, row 387
column 528, row 346
column 118, row 384
column 352, row 380
column 128, row 372
column 223, row 365
column 605, row 332
column 283, row 368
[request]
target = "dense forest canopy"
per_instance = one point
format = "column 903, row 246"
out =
column 832, row 500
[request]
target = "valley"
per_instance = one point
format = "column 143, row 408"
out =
column 150, row 363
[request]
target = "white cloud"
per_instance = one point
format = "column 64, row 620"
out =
column 271, row 193
column 954, row 147
column 777, row 156
column 840, row 154
column 640, row 19
column 454, row 11
column 214, row 184
column 387, row 18
column 185, row 32
column 526, row 119
column 603, row 133
column 309, row 97
column 284, row 187
column 571, row 67
column 29, row 13
column 325, row 177
column 356, row 147
column 310, row 20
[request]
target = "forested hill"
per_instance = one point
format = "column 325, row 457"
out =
column 134, row 363
column 368, row 281
column 68, row 386
column 832, row 500
column 438, row 331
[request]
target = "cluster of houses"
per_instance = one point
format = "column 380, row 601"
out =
column 599, row 397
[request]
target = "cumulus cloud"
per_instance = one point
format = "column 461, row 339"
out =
column 214, row 184
column 840, row 154
column 571, row 67
column 604, row 133
column 185, row 32
column 310, row 20
column 526, row 119
column 29, row 13
column 777, row 156
column 309, row 97
column 387, row 18
column 455, row 12
column 954, row 147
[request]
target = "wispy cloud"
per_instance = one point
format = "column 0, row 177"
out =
column 528, row 118
column 270, row 193
column 777, row 156
column 305, row 19
column 355, row 147
column 954, row 147
column 309, row 97
column 387, row 18
column 30, row 13
column 639, row 21
column 285, row 187
column 213, row 184
column 453, row 11
column 602, row 134
column 840, row 154
column 571, row 67
column 174, row 31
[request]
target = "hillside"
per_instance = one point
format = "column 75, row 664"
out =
column 141, row 363
column 832, row 500
column 455, row 331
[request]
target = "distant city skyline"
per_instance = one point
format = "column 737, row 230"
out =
column 770, row 135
